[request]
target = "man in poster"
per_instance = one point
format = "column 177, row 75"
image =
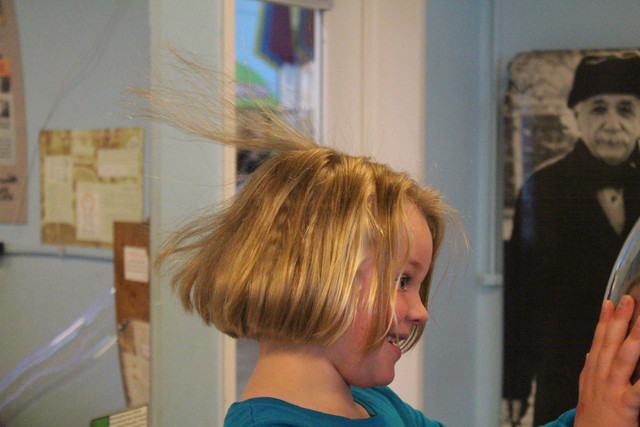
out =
column 571, row 219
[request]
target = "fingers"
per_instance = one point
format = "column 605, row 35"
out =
column 616, row 331
column 601, row 329
column 598, row 339
column 607, row 396
column 583, row 374
column 630, row 353
column 627, row 358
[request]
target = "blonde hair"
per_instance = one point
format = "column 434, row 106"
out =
column 279, row 260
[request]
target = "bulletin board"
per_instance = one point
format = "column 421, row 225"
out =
column 13, row 156
column 89, row 179
column 131, row 274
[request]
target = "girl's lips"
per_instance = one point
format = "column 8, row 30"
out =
column 391, row 341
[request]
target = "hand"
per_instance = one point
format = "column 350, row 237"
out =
column 607, row 396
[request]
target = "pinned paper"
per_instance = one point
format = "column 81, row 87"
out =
column 90, row 179
column 136, row 264
column 131, row 273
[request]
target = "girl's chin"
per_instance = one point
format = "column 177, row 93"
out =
column 378, row 380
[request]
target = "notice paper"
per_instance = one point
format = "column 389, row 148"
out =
column 89, row 180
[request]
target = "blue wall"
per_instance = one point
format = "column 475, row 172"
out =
column 469, row 44
column 41, row 294
column 452, row 153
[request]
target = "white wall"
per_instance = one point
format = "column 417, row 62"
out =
column 374, row 104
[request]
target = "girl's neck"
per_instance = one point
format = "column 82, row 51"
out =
column 303, row 376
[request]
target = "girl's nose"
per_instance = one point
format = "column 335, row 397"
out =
column 418, row 313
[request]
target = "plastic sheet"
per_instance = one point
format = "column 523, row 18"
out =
column 74, row 349
column 625, row 275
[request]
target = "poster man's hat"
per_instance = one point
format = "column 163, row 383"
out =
column 596, row 75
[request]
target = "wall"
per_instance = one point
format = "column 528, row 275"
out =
column 469, row 44
column 188, row 175
column 374, row 104
column 42, row 292
column 453, row 165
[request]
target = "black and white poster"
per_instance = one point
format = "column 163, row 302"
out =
column 572, row 194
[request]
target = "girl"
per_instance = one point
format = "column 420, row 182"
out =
column 326, row 259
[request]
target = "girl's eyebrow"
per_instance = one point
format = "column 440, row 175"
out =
column 416, row 263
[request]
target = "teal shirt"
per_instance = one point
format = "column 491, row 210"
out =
column 565, row 420
column 384, row 406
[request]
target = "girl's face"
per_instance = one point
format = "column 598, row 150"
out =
column 366, row 369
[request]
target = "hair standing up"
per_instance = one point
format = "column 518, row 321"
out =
column 279, row 260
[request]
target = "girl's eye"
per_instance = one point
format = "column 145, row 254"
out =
column 403, row 282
